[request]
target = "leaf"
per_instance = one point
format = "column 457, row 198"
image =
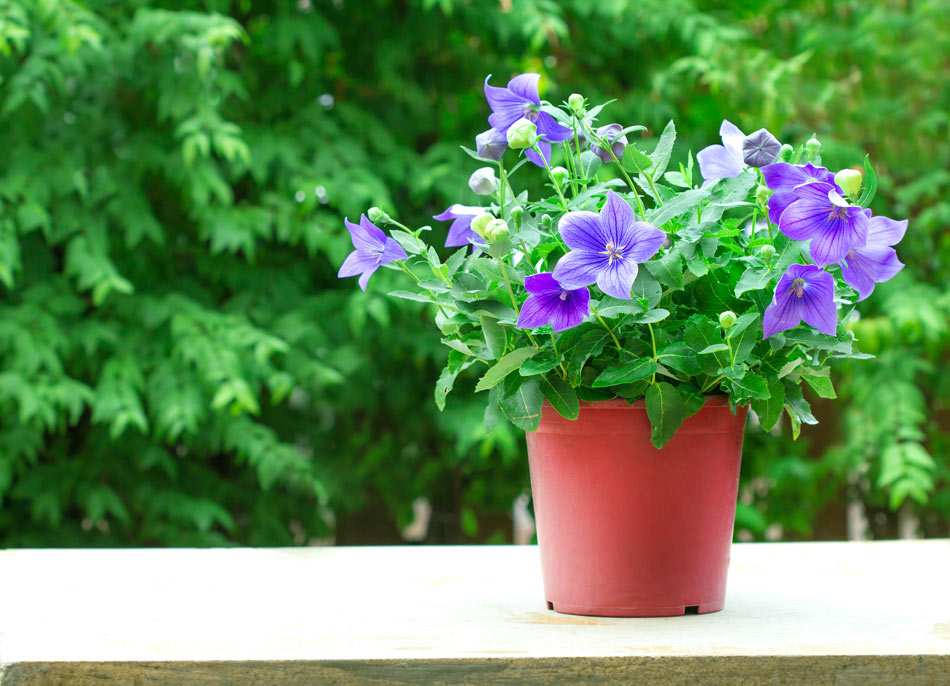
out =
column 870, row 183
column 650, row 316
column 679, row 204
column 666, row 411
column 495, row 338
column 714, row 348
column 769, row 409
column 678, row 356
column 664, row 148
column 523, row 407
column 561, row 396
column 410, row 243
column 821, row 385
column 668, row 269
column 592, row 343
column 753, row 280
column 647, row 288
column 749, row 387
column 636, row 160
column 537, row 366
column 504, row 367
column 700, row 334
column 444, row 385
column 491, row 308
column 409, row 295
column 626, row 373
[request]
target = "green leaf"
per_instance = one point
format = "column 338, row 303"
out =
column 409, row 295
column 714, row 348
column 664, row 148
column 561, row 396
column 505, row 366
column 769, row 409
column 678, row 356
column 752, row 280
column 870, row 183
column 592, row 343
column 537, row 366
column 636, row 160
column 650, row 316
column 668, row 269
column 701, row 334
column 666, row 411
column 495, row 337
column 626, row 373
column 749, row 387
column 410, row 243
column 821, row 385
column 523, row 407
column 677, row 205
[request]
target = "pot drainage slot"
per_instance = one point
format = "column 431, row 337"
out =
column 691, row 610
column 550, row 605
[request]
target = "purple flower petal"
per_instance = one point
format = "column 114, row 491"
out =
column 819, row 309
column 615, row 217
column 617, row 279
column 716, row 162
column 550, row 303
column 781, row 315
column 392, row 251
column 491, row 144
column 580, row 268
column 365, row 235
column 782, row 176
column 551, row 130
column 886, row 231
column 778, row 202
column 507, row 108
column 544, row 283
column 642, row 240
column 373, row 232
column 357, row 262
column 804, row 292
column 545, row 149
column 833, row 230
column 732, row 138
column 364, row 277
column 526, row 86
column 863, row 267
column 572, row 310
column 582, row 231
column 537, row 310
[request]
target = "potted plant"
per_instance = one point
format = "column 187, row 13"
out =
column 627, row 320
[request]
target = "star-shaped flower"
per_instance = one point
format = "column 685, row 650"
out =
column 373, row 249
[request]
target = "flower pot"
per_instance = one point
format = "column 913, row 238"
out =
column 626, row 530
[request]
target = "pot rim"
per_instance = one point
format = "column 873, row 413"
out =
column 712, row 400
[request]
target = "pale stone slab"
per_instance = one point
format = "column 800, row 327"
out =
column 796, row 613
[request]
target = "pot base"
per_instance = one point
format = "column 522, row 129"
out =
column 675, row 611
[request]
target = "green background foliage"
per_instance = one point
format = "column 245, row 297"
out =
column 180, row 366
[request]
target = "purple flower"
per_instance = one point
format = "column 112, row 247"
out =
column 784, row 178
column 606, row 248
column 520, row 100
column 722, row 161
column 460, row 232
column 760, row 148
column 373, row 249
column 804, row 292
column 491, row 144
column 551, row 303
column 820, row 214
column 876, row 262
column 618, row 142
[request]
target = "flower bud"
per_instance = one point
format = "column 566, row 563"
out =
column 480, row 223
column 727, row 319
column 767, row 252
column 491, row 144
column 618, row 142
column 517, row 217
column 561, row 175
column 762, row 194
column 496, row 230
column 760, row 148
column 849, row 181
column 483, row 181
column 521, row 134
column 581, row 140
column 576, row 103
column 813, row 149
column 378, row 216
column 785, row 153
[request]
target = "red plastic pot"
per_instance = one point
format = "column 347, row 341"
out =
column 626, row 530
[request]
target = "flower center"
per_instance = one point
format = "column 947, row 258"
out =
column 613, row 253
column 837, row 212
column 797, row 288
column 563, row 295
column 531, row 115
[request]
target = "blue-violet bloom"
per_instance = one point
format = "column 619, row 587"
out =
column 518, row 100
column 491, row 144
column 606, row 248
column 618, row 143
column 760, row 148
column 552, row 303
column 821, row 215
column 877, row 261
column 722, row 161
column 784, row 178
column 373, row 249
column 804, row 292
column 460, row 232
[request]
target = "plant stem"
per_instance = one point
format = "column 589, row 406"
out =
column 402, row 265
column 559, row 363
column 604, row 145
column 653, row 343
column 547, row 166
column 514, row 300
column 609, row 330
column 501, row 189
column 656, row 194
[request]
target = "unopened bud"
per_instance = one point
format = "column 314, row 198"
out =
column 727, row 319
column 480, row 223
column 491, row 144
column 576, row 103
column 561, row 175
column 618, row 143
column 517, row 217
column 483, row 181
column 760, row 148
column 521, row 134
column 378, row 216
column 849, row 181
column 762, row 194
column 496, row 230
column 767, row 252
column 785, row 153
column 813, row 149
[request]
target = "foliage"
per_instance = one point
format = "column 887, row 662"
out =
column 177, row 362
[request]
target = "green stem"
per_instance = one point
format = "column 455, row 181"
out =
column 514, row 300
column 560, row 364
column 577, row 148
column 604, row 145
column 557, row 186
column 402, row 265
column 503, row 179
column 609, row 330
column 656, row 195
column 653, row 343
